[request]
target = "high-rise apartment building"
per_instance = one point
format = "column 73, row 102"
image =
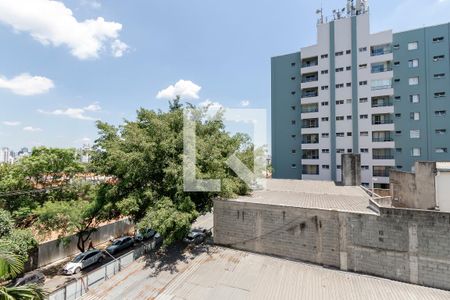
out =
column 383, row 95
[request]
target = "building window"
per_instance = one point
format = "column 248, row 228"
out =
column 338, row 167
column 348, row 101
column 340, row 151
column 365, row 167
column 348, row 51
column 292, row 78
column 413, row 46
column 363, row 100
column 398, row 115
column 398, row 132
column 325, row 119
column 340, row 53
column 294, row 166
column 399, row 150
column 440, row 113
column 339, row 102
column 324, row 88
column 438, row 39
column 349, row 117
column 326, row 167
column 441, row 131
column 363, row 49
column 415, row 152
column 441, row 150
column 364, row 150
column 363, row 116
column 363, row 66
column 363, row 82
column 293, row 64
column 396, row 63
column 293, row 122
column 414, row 98
column 349, row 134
column 396, row 46
column 348, row 68
column 349, row 150
column 414, row 134
column 439, row 94
column 310, row 170
column 340, row 134
column 324, row 103
column 325, row 150
column 293, row 93
column 439, row 76
column 339, row 85
column 339, row 70
column 324, row 56
column 414, row 116
column 310, row 138
column 397, row 80
column 293, row 107
column 324, row 72
column 364, row 133
column 398, row 98
column 413, row 80
column 413, row 63
column 348, row 84
column 310, row 154
column 325, row 135
column 293, row 136
column 438, row 58
column 293, row 151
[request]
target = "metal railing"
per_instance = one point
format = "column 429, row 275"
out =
column 80, row 286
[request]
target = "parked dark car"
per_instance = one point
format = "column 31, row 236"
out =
column 34, row 277
column 195, row 236
column 83, row 260
column 144, row 234
column 120, row 244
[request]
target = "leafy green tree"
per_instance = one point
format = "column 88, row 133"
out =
column 11, row 265
column 80, row 217
column 146, row 157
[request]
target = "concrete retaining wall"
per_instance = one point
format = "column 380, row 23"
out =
column 406, row 245
column 55, row 250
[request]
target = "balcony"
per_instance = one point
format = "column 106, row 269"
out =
column 382, row 101
column 381, row 171
column 310, row 139
column 309, row 108
column 383, row 154
column 380, row 50
column 381, row 67
column 381, row 84
column 310, row 92
column 382, row 136
column 310, row 154
column 382, row 119
column 310, row 169
column 310, row 77
column 310, row 123
column 310, row 62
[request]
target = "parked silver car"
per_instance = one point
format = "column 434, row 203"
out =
column 120, row 244
column 144, row 234
column 83, row 260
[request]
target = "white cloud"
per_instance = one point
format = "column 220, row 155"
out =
column 118, row 48
column 183, row 88
column 95, row 4
column 26, row 85
column 245, row 103
column 74, row 113
column 211, row 104
column 11, row 123
column 32, row 129
column 51, row 22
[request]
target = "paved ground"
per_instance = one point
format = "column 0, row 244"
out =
column 55, row 280
column 221, row 273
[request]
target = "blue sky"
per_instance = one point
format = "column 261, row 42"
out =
column 61, row 67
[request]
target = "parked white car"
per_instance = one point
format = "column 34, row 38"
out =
column 83, row 260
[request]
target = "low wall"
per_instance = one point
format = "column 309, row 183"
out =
column 406, row 245
column 55, row 250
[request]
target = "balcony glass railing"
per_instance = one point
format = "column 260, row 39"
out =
column 380, row 69
column 376, row 51
column 381, row 173
column 306, row 110
column 309, row 79
column 309, row 64
column 382, row 139
column 382, row 103
column 310, row 94
column 383, row 156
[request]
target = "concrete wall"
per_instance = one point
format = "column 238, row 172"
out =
column 406, row 245
column 443, row 191
column 414, row 190
column 55, row 250
column 351, row 169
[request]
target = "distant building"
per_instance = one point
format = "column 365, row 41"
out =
column 382, row 95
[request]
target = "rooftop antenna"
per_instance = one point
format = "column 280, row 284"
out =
column 319, row 12
column 350, row 7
